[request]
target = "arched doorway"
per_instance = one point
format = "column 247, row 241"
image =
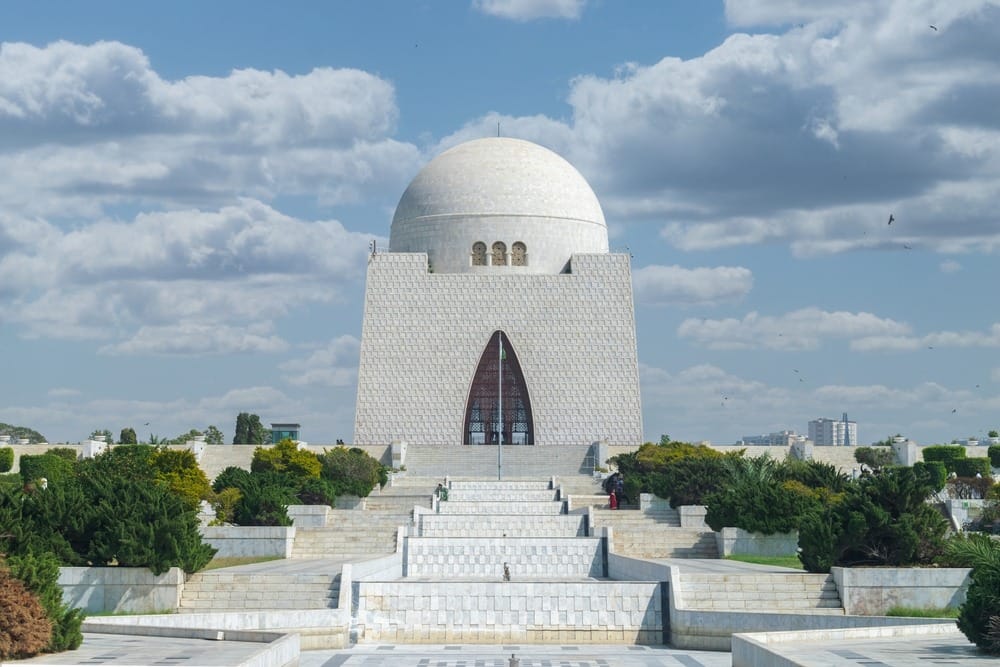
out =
column 489, row 420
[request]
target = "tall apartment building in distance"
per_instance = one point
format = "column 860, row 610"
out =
column 833, row 432
column 778, row 439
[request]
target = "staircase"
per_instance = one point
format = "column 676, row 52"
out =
column 230, row 591
column 761, row 592
column 364, row 533
column 655, row 533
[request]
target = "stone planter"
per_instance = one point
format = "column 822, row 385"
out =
column 872, row 591
column 736, row 541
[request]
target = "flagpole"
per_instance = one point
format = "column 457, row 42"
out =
column 500, row 408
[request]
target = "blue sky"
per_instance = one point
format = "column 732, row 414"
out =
column 190, row 190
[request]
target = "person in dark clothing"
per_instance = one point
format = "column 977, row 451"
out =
column 620, row 490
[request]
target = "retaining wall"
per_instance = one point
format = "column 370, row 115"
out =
column 491, row 612
column 732, row 541
column 136, row 590
column 250, row 541
column 875, row 590
column 546, row 558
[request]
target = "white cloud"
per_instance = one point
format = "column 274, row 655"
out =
column 178, row 281
column 333, row 365
column 802, row 329
column 85, row 126
column 942, row 339
column 530, row 10
column 63, row 392
column 950, row 266
column 196, row 339
column 674, row 284
column 797, row 137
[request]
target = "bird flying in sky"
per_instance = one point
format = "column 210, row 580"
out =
column 892, row 219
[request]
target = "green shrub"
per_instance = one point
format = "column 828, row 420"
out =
column 6, row 459
column 178, row 469
column 40, row 573
column 317, row 491
column 286, row 457
column 25, row 630
column 766, row 508
column 971, row 467
column 224, row 504
column 814, row 474
column 11, row 479
column 231, row 478
column 947, row 454
column 264, row 505
column 881, row 519
column 67, row 453
column 934, row 471
column 977, row 617
column 994, row 454
column 137, row 524
column 351, row 471
column 51, row 467
column 690, row 480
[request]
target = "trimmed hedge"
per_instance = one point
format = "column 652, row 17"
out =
column 934, row 470
column 52, row 467
column 971, row 467
column 67, row 453
column 946, row 454
column 994, row 454
column 6, row 459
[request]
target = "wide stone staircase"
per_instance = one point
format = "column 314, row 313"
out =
column 359, row 533
column 655, row 533
column 233, row 591
column 764, row 592
column 499, row 562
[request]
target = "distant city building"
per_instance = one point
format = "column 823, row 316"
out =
column 833, row 432
column 778, row 439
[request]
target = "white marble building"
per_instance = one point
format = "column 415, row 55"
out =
column 498, row 242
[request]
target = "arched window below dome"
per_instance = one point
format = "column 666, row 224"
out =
column 518, row 254
column 499, row 254
column 479, row 254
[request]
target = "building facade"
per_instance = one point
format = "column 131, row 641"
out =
column 833, row 432
column 779, row 439
column 498, row 314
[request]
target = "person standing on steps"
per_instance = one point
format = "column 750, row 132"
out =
column 620, row 489
column 612, row 500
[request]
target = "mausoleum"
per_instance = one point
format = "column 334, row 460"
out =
column 498, row 313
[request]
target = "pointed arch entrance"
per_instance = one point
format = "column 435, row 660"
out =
column 486, row 417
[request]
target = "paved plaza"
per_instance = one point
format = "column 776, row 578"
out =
column 119, row 651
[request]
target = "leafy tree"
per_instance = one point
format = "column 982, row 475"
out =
column 979, row 615
column 128, row 436
column 19, row 432
column 875, row 458
column 286, row 457
column 6, row 459
column 183, row 438
column 136, row 524
column 25, row 630
column 881, row 519
column 214, row 436
column 40, row 573
column 256, row 433
column 108, row 437
column 242, row 434
column 352, row 471
column 993, row 434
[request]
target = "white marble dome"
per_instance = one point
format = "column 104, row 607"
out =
column 498, row 205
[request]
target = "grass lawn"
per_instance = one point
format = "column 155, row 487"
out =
column 233, row 561
column 917, row 612
column 778, row 561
